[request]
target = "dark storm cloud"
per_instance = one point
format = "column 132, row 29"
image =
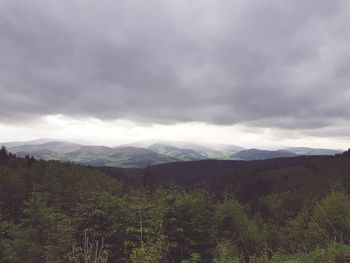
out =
column 264, row 63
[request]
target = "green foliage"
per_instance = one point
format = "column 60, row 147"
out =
column 3, row 230
column 330, row 219
column 331, row 253
column 295, row 237
column 149, row 253
column 59, row 212
column 225, row 252
column 103, row 216
column 43, row 235
column 94, row 251
column 232, row 223
column 194, row 227
column 194, row 258
column 281, row 206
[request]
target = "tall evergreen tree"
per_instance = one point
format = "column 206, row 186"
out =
column 3, row 154
column 148, row 178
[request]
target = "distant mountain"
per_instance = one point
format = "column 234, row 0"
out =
column 38, row 154
column 312, row 151
column 141, row 154
column 189, row 151
column 50, row 150
column 127, row 157
column 32, row 142
column 178, row 153
column 226, row 148
column 256, row 154
column 139, row 157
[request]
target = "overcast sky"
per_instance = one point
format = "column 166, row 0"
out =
column 251, row 72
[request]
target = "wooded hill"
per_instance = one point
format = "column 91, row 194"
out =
column 281, row 210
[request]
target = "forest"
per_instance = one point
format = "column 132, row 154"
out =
column 282, row 210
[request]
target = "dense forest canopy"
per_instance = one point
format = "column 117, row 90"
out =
column 281, row 210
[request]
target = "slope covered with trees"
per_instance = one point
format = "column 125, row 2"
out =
column 62, row 212
column 139, row 155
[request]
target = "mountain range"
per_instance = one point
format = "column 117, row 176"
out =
column 135, row 156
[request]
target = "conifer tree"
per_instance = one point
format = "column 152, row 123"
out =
column 3, row 154
column 148, row 180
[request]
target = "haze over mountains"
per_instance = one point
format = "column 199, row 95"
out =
column 141, row 154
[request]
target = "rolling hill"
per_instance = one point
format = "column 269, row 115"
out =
column 256, row 154
column 252, row 179
column 94, row 155
column 312, row 151
column 134, row 156
column 181, row 154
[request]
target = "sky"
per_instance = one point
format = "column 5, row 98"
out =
column 255, row 73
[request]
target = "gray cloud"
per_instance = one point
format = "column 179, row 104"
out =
column 270, row 63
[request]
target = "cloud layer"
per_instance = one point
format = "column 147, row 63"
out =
column 270, row 63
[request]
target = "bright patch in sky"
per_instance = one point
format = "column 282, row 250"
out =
column 111, row 133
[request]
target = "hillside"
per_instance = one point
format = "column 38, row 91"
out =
column 180, row 154
column 93, row 155
column 309, row 175
column 256, row 154
column 312, row 151
column 135, row 156
column 61, row 212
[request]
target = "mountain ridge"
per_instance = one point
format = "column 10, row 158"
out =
column 129, row 156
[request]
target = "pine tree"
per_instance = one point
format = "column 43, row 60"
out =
column 148, row 179
column 3, row 154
